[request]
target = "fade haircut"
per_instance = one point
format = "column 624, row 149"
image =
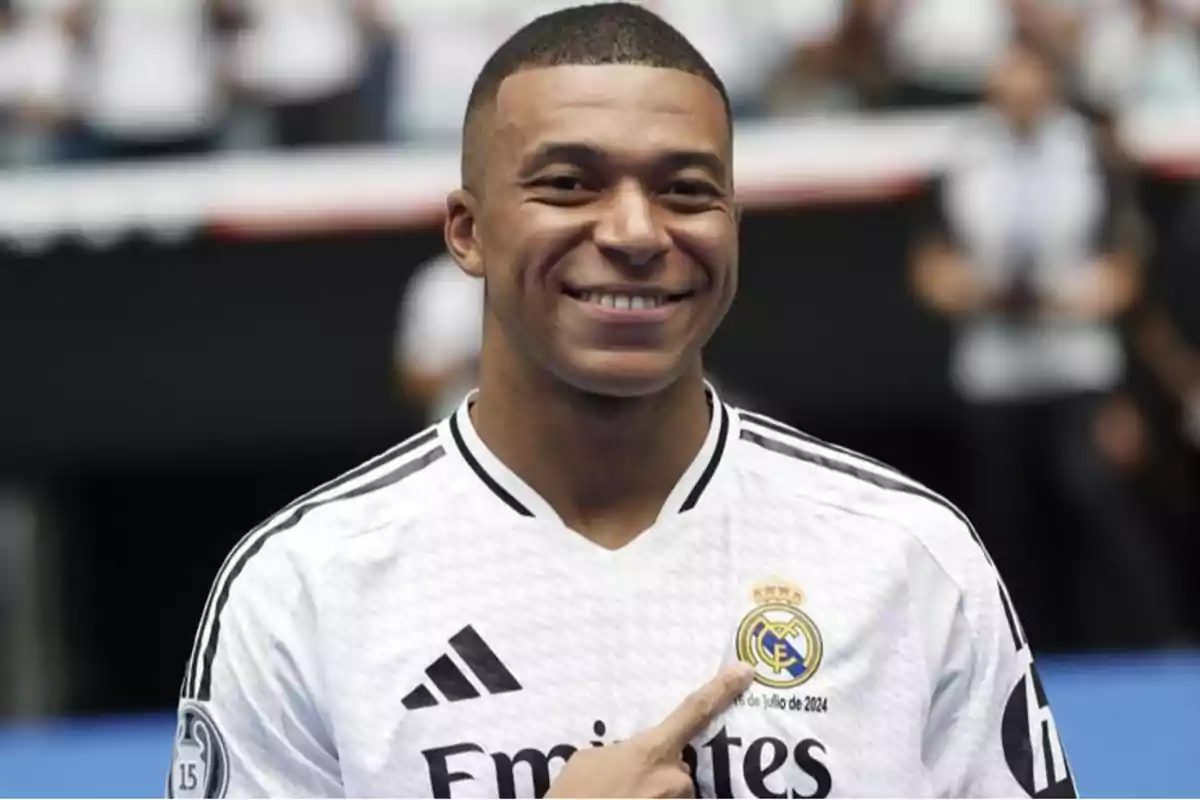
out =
column 599, row 33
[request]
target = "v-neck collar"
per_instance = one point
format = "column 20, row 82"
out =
column 510, row 488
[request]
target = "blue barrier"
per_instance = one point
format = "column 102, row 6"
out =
column 1130, row 724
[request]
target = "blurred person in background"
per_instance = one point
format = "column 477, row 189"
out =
column 943, row 51
column 1025, row 255
column 1176, row 364
column 879, row 54
column 35, row 670
column 35, row 69
column 847, row 69
column 9, row 79
column 441, row 46
column 1182, row 360
column 1164, row 401
column 744, row 40
column 302, row 64
column 1136, row 55
column 438, row 50
column 1138, row 429
column 1052, row 26
column 1147, row 433
column 438, row 336
column 145, row 79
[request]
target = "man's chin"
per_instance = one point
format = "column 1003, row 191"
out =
column 622, row 373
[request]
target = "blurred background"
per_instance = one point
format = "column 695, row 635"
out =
column 971, row 249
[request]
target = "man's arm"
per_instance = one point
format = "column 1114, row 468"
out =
column 1111, row 283
column 249, row 717
column 990, row 730
column 1162, row 347
column 944, row 281
column 940, row 273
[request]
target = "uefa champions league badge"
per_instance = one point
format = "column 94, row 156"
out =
column 200, row 761
column 783, row 645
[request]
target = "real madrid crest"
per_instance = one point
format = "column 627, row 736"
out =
column 779, row 640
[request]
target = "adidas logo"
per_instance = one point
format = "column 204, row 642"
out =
column 453, row 684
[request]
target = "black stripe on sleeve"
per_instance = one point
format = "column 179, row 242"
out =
column 881, row 481
column 787, row 430
column 400, row 450
column 204, row 682
column 891, row 484
column 1010, row 616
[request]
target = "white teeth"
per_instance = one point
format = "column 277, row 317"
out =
column 622, row 301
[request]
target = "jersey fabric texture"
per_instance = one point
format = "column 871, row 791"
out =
column 425, row 625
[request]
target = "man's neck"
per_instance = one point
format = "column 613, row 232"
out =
column 606, row 465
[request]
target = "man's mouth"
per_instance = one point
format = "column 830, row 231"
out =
column 626, row 301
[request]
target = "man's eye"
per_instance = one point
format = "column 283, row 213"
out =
column 691, row 189
column 690, row 195
column 562, row 183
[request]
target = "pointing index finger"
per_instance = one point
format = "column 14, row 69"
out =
column 699, row 708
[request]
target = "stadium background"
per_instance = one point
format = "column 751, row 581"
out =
column 185, row 346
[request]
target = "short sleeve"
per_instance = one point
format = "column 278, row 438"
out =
column 249, row 721
column 991, row 732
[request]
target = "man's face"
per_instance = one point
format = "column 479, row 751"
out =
column 605, row 224
column 1023, row 87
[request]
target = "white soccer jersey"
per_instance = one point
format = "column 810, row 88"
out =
column 425, row 625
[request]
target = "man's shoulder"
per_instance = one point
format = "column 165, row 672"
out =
column 405, row 483
column 776, row 448
column 798, row 467
column 267, row 574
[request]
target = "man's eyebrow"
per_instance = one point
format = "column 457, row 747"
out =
column 561, row 153
column 703, row 159
column 590, row 156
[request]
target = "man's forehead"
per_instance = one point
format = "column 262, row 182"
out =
column 605, row 100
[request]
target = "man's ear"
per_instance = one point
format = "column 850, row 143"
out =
column 462, row 233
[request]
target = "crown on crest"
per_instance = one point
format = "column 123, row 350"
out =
column 777, row 591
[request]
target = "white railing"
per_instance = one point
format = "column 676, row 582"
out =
column 779, row 163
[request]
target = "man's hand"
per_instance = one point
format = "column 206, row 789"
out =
column 651, row 764
column 946, row 282
column 1103, row 291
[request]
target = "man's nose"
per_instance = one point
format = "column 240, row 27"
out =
column 631, row 228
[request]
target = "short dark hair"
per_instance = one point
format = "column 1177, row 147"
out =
column 598, row 33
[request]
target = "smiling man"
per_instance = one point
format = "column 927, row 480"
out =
column 523, row 599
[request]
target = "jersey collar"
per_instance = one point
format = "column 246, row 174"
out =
column 519, row 496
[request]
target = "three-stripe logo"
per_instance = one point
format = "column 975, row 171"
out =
column 450, row 681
